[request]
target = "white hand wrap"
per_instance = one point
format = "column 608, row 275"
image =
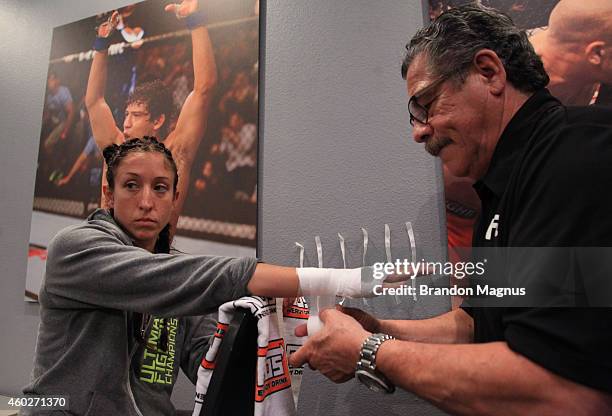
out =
column 318, row 304
column 340, row 282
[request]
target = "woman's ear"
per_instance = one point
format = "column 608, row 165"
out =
column 108, row 195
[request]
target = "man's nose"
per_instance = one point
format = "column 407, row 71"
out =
column 421, row 132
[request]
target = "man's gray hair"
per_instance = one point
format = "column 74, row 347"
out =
column 450, row 42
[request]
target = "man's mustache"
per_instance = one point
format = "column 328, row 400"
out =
column 434, row 146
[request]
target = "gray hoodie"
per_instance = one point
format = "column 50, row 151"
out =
column 96, row 281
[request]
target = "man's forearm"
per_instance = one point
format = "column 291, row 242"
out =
column 485, row 379
column 101, row 118
column 191, row 124
column 450, row 328
column 96, row 84
column 77, row 165
column 204, row 67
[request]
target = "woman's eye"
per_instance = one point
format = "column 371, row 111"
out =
column 161, row 188
column 131, row 185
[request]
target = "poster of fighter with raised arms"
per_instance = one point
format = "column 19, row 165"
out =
column 186, row 73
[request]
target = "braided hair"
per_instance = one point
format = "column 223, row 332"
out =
column 114, row 154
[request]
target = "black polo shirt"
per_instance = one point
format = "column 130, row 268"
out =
column 549, row 184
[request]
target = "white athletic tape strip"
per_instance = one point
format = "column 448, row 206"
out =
column 314, row 324
column 279, row 301
column 342, row 250
column 388, row 243
column 388, row 253
column 363, row 259
column 301, row 248
column 319, row 250
column 341, row 299
column 365, row 245
column 324, row 280
column 413, row 256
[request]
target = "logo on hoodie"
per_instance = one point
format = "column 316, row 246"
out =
column 157, row 366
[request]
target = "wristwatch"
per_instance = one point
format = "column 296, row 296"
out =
column 366, row 366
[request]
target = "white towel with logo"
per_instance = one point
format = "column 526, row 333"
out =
column 293, row 315
column 273, row 393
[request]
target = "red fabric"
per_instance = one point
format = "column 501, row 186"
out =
column 459, row 231
column 38, row 252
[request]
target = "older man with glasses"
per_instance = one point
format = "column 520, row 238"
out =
column 478, row 102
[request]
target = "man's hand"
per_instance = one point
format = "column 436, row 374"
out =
column 107, row 28
column 182, row 10
column 64, row 181
column 334, row 350
column 367, row 321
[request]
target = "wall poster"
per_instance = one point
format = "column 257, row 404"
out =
column 151, row 58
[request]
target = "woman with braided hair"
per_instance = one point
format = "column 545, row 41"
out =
column 109, row 336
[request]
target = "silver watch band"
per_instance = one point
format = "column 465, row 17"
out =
column 366, row 371
column 369, row 348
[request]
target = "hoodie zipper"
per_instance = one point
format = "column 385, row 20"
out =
column 129, row 366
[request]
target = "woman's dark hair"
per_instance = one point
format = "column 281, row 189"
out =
column 450, row 42
column 114, row 154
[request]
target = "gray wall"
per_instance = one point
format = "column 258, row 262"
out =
column 336, row 155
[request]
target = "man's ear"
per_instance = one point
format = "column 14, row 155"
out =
column 595, row 52
column 108, row 195
column 488, row 65
column 159, row 122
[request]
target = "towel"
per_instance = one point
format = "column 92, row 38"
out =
column 273, row 382
column 294, row 314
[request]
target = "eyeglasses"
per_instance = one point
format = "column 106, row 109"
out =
column 420, row 112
